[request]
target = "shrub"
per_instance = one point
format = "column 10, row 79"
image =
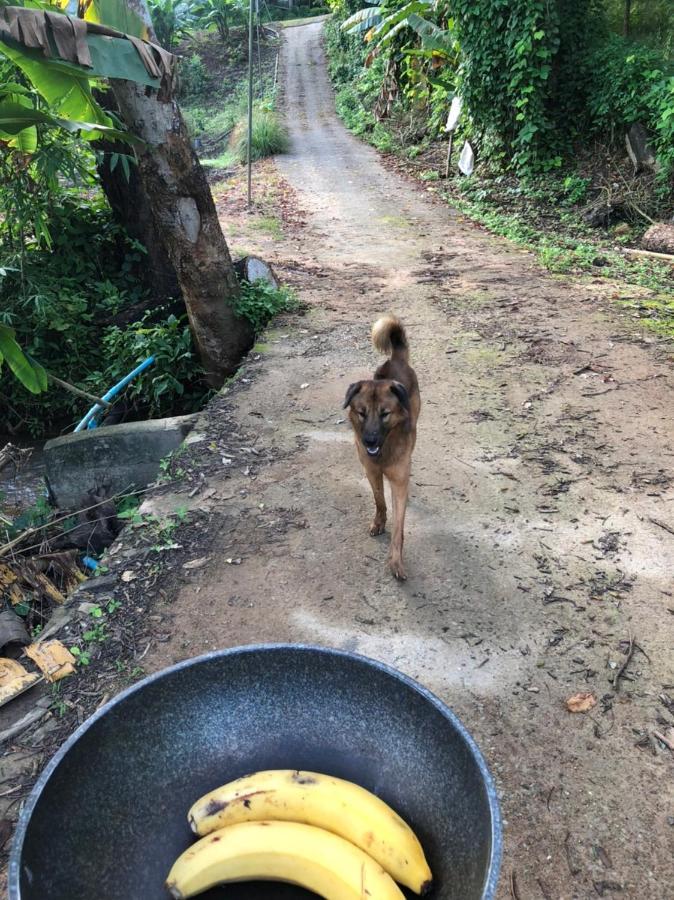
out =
column 259, row 302
column 59, row 298
column 269, row 136
column 632, row 84
column 176, row 372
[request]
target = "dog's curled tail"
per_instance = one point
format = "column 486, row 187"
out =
column 389, row 337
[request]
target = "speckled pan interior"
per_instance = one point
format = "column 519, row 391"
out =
column 108, row 816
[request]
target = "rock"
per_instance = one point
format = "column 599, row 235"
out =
column 659, row 239
column 252, row 269
column 110, row 459
column 639, row 148
column 101, row 584
column 12, row 629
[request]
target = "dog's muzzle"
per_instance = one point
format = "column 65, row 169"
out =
column 372, row 445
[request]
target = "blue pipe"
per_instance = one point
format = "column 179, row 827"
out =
column 90, row 562
column 89, row 421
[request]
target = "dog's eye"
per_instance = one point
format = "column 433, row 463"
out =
column 385, row 413
column 361, row 413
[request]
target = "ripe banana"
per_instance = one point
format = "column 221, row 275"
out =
column 330, row 803
column 281, row 851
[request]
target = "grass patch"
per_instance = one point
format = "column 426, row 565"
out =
column 208, row 125
column 269, row 137
column 224, row 160
column 568, row 255
column 269, row 225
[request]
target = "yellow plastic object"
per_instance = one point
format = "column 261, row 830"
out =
column 53, row 658
column 14, row 680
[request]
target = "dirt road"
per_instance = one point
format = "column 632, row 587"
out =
column 540, row 534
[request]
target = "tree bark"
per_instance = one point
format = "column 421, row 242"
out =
column 185, row 216
column 132, row 209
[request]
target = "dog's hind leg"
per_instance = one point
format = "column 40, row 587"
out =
column 376, row 479
column 399, row 490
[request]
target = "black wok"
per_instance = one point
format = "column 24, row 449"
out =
column 108, row 816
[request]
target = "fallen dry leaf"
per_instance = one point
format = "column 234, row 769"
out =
column 128, row 575
column 581, row 702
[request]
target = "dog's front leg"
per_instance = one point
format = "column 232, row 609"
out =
column 376, row 479
column 399, row 489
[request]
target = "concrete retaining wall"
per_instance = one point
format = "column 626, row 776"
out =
column 117, row 457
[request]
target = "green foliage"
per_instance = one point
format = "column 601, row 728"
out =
column 631, row 84
column 269, row 136
column 57, row 294
column 221, row 14
column 193, row 76
column 508, row 48
column 174, row 374
column 575, row 189
column 172, row 20
column 346, row 53
column 259, row 302
column 355, row 114
column 651, row 22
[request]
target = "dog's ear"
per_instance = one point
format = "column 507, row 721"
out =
column 401, row 393
column 351, row 393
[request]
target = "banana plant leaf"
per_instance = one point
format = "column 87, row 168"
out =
column 118, row 16
column 15, row 118
column 401, row 15
column 65, row 87
column 30, row 373
column 363, row 20
column 432, row 36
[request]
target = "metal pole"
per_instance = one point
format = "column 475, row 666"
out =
column 250, row 97
column 449, row 153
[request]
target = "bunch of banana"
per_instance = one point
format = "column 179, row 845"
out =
column 322, row 833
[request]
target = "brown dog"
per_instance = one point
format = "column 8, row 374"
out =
column 384, row 415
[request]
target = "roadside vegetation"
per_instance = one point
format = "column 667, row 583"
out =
column 548, row 94
column 79, row 299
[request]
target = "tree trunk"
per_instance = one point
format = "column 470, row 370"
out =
column 185, row 215
column 132, row 209
column 626, row 18
column 185, row 218
column 131, row 206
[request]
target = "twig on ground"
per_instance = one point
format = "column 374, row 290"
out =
column 665, row 740
column 514, row 893
column 573, row 868
column 662, row 525
column 470, row 466
column 621, row 671
column 664, row 257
